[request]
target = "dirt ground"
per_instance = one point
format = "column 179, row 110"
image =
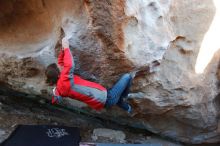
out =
column 15, row 111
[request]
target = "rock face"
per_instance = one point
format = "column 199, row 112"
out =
column 113, row 135
column 109, row 38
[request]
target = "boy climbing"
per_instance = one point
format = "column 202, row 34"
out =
column 93, row 94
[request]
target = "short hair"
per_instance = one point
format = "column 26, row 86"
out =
column 52, row 74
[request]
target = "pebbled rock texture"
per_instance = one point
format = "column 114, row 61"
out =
column 109, row 38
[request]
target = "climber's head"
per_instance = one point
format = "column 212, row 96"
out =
column 52, row 73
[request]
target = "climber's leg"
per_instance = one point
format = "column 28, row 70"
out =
column 118, row 89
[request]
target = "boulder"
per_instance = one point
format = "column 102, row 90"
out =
column 108, row 135
column 110, row 38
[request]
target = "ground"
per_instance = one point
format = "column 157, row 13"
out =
column 15, row 111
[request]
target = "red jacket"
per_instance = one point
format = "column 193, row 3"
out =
column 73, row 86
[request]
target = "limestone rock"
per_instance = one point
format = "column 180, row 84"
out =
column 108, row 134
column 109, row 38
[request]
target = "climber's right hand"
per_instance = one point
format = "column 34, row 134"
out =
column 65, row 43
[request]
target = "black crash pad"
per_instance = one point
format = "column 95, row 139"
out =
column 43, row 135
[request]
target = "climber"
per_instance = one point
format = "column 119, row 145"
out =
column 93, row 94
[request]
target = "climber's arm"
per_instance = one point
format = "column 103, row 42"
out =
column 68, row 62
column 60, row 58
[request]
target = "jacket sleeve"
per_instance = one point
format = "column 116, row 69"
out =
column 68, row 66
column 60, row 58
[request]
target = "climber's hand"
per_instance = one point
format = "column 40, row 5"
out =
column 65, row 43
